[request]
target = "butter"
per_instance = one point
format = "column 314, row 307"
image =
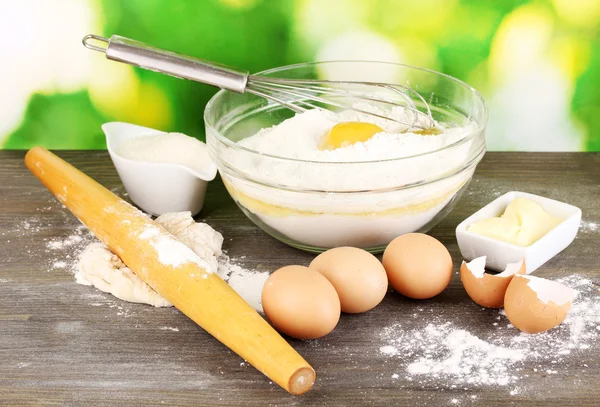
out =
column 523, row 223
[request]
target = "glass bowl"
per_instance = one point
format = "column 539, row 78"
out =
column 314, row 205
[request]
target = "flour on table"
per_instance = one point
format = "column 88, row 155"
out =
column 588, row 227
column 443, row 354
column 247, row 283
column 100, row 267
column 168, row 328
column 70, row 241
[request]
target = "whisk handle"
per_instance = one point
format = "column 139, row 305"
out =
column 181, row 66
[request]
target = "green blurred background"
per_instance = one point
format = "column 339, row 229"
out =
column 537, row 63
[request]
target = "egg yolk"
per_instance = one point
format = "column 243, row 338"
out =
column 347, row 133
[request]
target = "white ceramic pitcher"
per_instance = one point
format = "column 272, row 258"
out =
column 156, row 187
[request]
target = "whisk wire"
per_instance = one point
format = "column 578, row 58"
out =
column 269, row 96
column 303, row 90
column 337, row 92
column 409, row 89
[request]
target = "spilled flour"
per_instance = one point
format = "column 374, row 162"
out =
column 588, row 227
column 442, row 354
column 66, row 252
column 247, row 283
column 72, row 240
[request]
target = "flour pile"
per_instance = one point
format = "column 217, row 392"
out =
column 247, row 283
column 443, row 355
column 300, row 136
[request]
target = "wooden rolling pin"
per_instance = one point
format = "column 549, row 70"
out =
column 174, row 271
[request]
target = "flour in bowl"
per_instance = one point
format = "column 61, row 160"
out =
column 372, row 164
column 299, row 137
column 364, row 194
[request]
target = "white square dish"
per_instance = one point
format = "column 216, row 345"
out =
column 499, row 253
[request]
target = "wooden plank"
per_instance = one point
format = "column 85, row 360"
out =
column 63, row 344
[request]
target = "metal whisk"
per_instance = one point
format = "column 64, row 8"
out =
column 296, row 94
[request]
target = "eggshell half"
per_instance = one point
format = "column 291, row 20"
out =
column 534, row 304
column 485, row 289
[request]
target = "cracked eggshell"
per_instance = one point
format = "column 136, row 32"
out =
column 486, row 289
column 534, row 304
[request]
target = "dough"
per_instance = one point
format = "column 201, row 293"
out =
column 103, row 269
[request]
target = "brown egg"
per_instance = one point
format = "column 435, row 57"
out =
column 300, row 302
column 417, row 265
column 534, row 304
column 358, row 277
column 486, row 289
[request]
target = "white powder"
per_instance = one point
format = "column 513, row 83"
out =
column 27, row 227
column 389, row 350
column 168, row 328
column 174, row 253
column 308, row 211
column 149, row 233
column 55, row 245
column 588, row 227
column 299, row 137
column 171, row 251
column 200, row 237
column 68, row 242
column 443, row 354
column 174, row 148
column 470, row 359
column 68, row 249
column 247, row 283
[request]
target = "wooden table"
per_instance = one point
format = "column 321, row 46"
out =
column 65, row 344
